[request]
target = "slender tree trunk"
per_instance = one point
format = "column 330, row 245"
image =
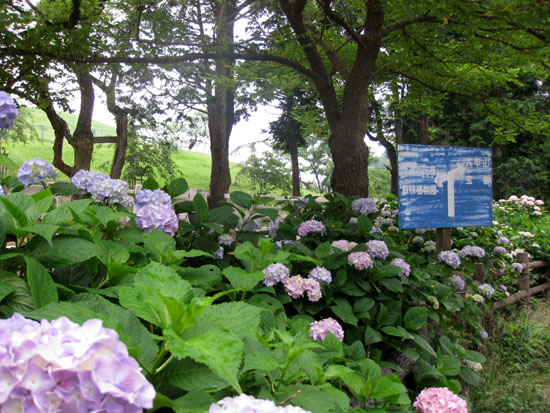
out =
column 119, row 156
column 293, row 149
column 83, row 137
column 424, row 132
column 221, row 111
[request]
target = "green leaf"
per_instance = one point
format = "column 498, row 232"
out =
column 469, row 376
column 43, row 289
column 112, row 252
column 383, row 316
column 46, row 231
column 63, row 189
column 5, row 290
column 424, row 369
column 241, row 199
column 193, row 402
column 189, row 375
column 447, row 365
column 150, row 183
column 220, row 215
column 415, row 318
column 392, row 284
column 344, row 311
column 19, row 300
column 177, row 187
column 106, row 214
column 389, row 270
column 422, row 343
column 62, row 214
column 264, row 362
column 201, row 207
column 323, row 250
column 372, row 336
column 364, row 224
column 397, row 332
column 356, row 351
column 474, row 356
column 65, row 250
column 220, row 351
column 239, row 278
column 311, row 398
column 272, row 213
column 205, row 275
column 388, row 385
column 15, row 212
column 39, row 208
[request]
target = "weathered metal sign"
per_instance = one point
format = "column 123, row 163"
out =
column 444, row 186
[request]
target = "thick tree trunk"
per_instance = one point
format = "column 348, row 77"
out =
column 221, row 111
column 293, row 149
column 83, row 138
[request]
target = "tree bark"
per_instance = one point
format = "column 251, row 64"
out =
column 119, row 156
column 293, row 149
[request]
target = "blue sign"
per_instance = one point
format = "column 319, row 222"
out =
column 444, row 186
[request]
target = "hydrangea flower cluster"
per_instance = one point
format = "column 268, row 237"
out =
column 36, row 170
column 376, row 230
column 418, row 240
column 499, row 250
column 344, row 245
column 473, row 365
column 429, row 247
column 405, row 268
column 296, row 287
column 439, row 400
column 148, row 197
column 276, row 273
column 62, row 366
column 227, row 239
column 486, row 289
column 162, row 217
column 318, row 330
column 517, row 267
column 8, row 111
column 274, row 227
column 450, row 258
column 378, row 249
column 102, row 188
column 360, row 260
column 457, row 282
column 320, row 274
column 364, row 206
column 472, row 251
column 311, row 227
column 249, row 404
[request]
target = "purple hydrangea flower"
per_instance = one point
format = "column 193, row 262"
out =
column 472, row 251
column 450, row 258
column 320, row 274
column 62, row 366
column 313, row 289
column 147, row 197
column 318, row 330
column 517, row 267
column 344, row 245
column 249, row 404
column 85, row 180
column 296, row 287
column 378, row 249
column 499, row 250
column 227, row 239
column 162, row 217
column 439, row 400
column 486, row 289
column 276, row 273
column 405, row 268
column 364, row 206
column 218, row 254
column 274, row 227
column 376, row 230
column 360, row 260
column 504, row 240
column 8, row 111
column 457, row 282
column 311, row 227
column 36, row 170
column 102, row 188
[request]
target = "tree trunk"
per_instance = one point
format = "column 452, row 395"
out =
column 221, row 111
column 293, row 149
column 424, row 131
column 119, row 156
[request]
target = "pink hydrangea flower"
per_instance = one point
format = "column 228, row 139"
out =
column 296, row 287
column 320, row 274
column 318, row 330
column 439, row 400
column 360, row 260
column 405, row 268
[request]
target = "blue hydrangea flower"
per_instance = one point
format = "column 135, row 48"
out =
column 364, row 206
column 147, row 197
column 486, row 289
column 320, row 274
column 311, row 227
column 35, row 171
column 450, row 258
column 8, row 111
column 162, row 217
column 457, row 282
column 276, row 273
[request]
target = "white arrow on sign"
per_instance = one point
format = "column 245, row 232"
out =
column 450, row 178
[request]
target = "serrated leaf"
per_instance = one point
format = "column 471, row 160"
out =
column 219, row 215
column 388, row 385
column 260, row 361
column 189, row 375
column 423, row 344
column 415, row 318
column 469, row 376
column 43, row 289
column 5, row 290
column 240, row 278
column 111, row 252
column 177, row 187
column 39, row 208
column 397, row 332
column 311, row 398
column 64, row 250
column 193, row 402
column 16, row 212
column 204, row 275
column 201, row 207
column 220, row 351
column 447, row 365
column 19, row 300
column 372, row 336
column 392, row 284
column 323, row 250
column 62, row 214
column 356, row 351
column 474, row 356
column 344, row 311
column 46, row 231
column 63, row 189
column 241, row 199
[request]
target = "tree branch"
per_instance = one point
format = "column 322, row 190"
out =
column 404, row 23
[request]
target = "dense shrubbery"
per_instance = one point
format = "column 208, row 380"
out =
column 322, row 304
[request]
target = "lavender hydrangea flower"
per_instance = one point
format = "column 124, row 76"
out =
column 344, row 245
column 8, row 111
column 62, row 366
column 162, row 217
column 486, row 289
column 274, row 227
column 296, row 287
column 439, row 400
column 227, row 239
column 499, row 250
column 312, row 289
column 484, row 335
column 311, row 227
column 85, row 180
column 102, row 188
column 318, row 330
column 320, row 274
column 147, row 197
column 249, row 404
column 472, row 251
column 450, row 258
column 457, row 282
column 378, row 249
column 517, row 267
column 218, row 254
column 405, row 268
column 360, row 260
column 376, row 230
column 276, row 273
column 364, row 206
column 36, row 170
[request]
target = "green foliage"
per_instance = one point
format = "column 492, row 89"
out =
column 266, row 174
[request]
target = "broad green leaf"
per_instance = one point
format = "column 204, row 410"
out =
column 19, row 300
column 220, row 351
column 165, row 280
column 16, row 212
column 388, row 385
column 272, row 213
column 204, row 275
column 220, row 215
column 192, row 253
column 310, row 398
column 156, row 242
column 474, row 356
column 389, row 270
column 63, row 189
column 43, row 289
column 106, row 214
column 112, row 252
column 64, row 250
column 177, row 187
column 447, row 365
column 201, row 207
column 193, row 402
column 264, row 362
column 241, row 199
column 335, row 371
column 338, row 396
column 383, row 316
column 363, row 304
column 150, row 183
column 344, row 311
column 372, row 370
column 424, row 369
column 469, row 376
column 397, row 332
column 46, row 231
column 356, row 351
column 62, row 214
column 415, row 318
column 5, row 290
column 372, row 336
column 239, row 278
column 39, row 208
column 323, row 250
column 392, row 284
column 423, row 344
column 189, row 375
